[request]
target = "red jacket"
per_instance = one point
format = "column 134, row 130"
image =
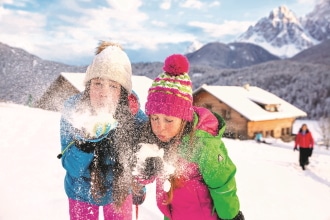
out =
column 304, row 140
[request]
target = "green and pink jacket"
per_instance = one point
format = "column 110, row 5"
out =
column 209, row 191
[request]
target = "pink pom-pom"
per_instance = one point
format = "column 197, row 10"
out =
column 176, row 64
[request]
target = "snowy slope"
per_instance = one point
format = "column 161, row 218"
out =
column 270, row 183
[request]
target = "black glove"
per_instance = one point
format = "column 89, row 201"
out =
column 139, row 197
column 311, row 151
column 152, row 166
column 89, row 145
column 86, row 146
column 295, row 148
column 239, row 216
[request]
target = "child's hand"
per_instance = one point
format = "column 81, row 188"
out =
column 153, row 166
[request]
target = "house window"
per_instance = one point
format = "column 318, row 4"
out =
column 227, row 114
column 267, row 133
column 283, row 131
column 268, row 107
column 208, row 106
column 288, row 131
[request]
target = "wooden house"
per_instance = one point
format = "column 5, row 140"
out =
column 248, row 110
column 68, row 84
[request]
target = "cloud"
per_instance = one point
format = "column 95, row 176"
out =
column 21, row 27
column 15, row 3
column 76, row 26
column 78, row 29
column 165, row 5
column 214, row 4
column 125, row 5
column 158, row 23
column 303, row 7
column 192, row 4
column 219, row 30
column 308, row 2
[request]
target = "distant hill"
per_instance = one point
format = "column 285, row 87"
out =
column 24, row 77
column 227, row 56
column 305, row 84
column 319, row 54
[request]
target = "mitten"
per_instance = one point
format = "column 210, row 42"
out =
column 152, row 167
column 139, row 197
column 89, row 145
column 239, row 216
column 86, row 146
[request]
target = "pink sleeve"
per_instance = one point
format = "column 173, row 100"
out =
column 145, row 181
column 161, row 196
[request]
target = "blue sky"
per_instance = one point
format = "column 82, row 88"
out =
column 69, row 30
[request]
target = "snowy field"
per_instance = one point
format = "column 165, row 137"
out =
column 271, row 185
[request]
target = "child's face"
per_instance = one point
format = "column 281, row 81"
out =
column 165, row 127
column 104, row 94
column 304, row 127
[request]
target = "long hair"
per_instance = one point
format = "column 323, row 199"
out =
column 118, row 148
column 171, row 149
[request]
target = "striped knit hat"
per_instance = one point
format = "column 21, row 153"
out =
column 171, row 92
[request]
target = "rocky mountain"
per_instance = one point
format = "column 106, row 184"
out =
column 233, row 55
column 317, row 22
column 24, row 77
column 281, row 33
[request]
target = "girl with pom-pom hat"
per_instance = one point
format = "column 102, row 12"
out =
column 202, row 180
column 97, row 134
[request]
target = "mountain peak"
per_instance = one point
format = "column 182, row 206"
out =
column 283, row 13
column 281, row 33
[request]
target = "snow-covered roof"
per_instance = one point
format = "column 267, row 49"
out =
column 140, row 84
column 244, row 100
column 76, row 79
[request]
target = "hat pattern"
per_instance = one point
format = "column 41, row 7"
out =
column 171, row 92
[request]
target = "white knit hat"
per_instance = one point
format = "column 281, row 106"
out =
column 111, row 63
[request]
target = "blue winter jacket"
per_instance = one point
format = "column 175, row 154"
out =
column 76, row 162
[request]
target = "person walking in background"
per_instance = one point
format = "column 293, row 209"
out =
column 259, row 138
column 305, row 143
column 202, row 184
column 97, row 134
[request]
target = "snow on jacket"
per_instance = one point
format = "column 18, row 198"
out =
column 304, row 140
column 211, row 183
column 76, row 162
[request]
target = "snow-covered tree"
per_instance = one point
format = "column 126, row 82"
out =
column 325, row 131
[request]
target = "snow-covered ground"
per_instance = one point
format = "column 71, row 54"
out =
column 271, row 185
